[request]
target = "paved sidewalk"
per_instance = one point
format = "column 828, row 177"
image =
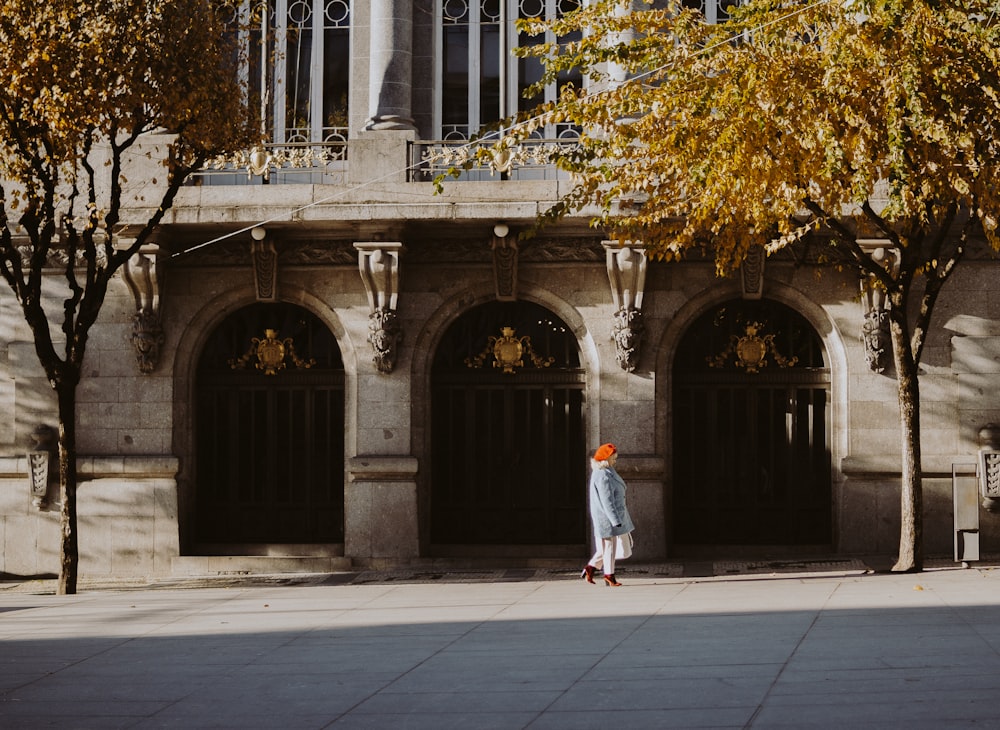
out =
column 825, row 649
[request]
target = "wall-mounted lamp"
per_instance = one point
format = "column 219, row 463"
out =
column 501, row 229
column 258, row 233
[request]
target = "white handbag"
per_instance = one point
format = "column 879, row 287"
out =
column 623, row 546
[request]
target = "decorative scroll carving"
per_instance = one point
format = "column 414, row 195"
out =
column 627, row 274
column 379, row 266
column 383, row 334
column 141, row 274
column 751, row 350
column 752, row 273
column 989, row 467
column 271, row 354
column 875, row 333
column 875, row 326
column 628, row 333
column 508, row 352
column 265, row 268
column 40, row 457
column 505, row 255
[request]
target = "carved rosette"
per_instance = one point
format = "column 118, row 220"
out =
column 384, row 334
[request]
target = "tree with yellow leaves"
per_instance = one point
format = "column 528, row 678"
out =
column 866, row 119
column 83, row 82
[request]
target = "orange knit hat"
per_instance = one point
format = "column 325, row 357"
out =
column 604, row 452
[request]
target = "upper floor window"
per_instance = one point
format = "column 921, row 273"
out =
column 481, row 81
column 297, row 69
column 715, row 11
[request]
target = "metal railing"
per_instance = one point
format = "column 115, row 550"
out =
column 276, row 164
column 529, row 160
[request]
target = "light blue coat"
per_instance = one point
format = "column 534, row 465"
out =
column 607, row 502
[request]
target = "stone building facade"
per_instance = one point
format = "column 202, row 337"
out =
column 325, row 362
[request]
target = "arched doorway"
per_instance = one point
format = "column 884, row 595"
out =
column 751, row 426
column 508, row 444
column 269, row 431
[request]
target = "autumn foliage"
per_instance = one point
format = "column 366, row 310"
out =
column 84, row 81
column 859, row 118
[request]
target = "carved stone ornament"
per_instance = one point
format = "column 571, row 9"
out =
column 378, row 263
column 384, row 334
column 875, row 332
column 41, row 456
column 751, row 350
column 752, row 273
column 875, row 325
column 627, row 275
column 505, row 255
column 271, row 354
column 989, row 467
column 141, row 274
column 508, row 352
column 265, row 269
column 628, row 333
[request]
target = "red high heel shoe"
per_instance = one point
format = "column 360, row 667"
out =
column 609, row 580
column 588, row 573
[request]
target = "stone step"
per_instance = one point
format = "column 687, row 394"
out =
column 205, row 565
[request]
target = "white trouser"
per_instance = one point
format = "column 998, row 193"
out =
column 604, row 555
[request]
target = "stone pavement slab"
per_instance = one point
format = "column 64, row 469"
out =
column 820, row 649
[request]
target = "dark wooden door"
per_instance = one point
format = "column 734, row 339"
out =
column 509, row 464
column 751, row 438
column 270, row 455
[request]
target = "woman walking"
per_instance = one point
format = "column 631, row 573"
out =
column 608, row 513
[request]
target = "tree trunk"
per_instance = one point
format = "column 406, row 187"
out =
column 911, row 551
column 69, row 553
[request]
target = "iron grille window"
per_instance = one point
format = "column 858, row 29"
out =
column 481, row 81
column 297, row 67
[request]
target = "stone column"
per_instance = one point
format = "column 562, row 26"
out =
column 390, row 64
column 381, row 510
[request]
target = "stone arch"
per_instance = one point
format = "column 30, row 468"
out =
column 427, row 343
column 835, row 350
column 190, row 343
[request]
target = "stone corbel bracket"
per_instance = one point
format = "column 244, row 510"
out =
column 265, row 265
column 505, row 253
column 379, row 265
column 142, row 275
column 752, row 273
column 627, row 274
column 875, row 325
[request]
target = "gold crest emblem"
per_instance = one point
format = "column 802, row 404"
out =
column 271, row 354
column 751, row 351
column 508, row 352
